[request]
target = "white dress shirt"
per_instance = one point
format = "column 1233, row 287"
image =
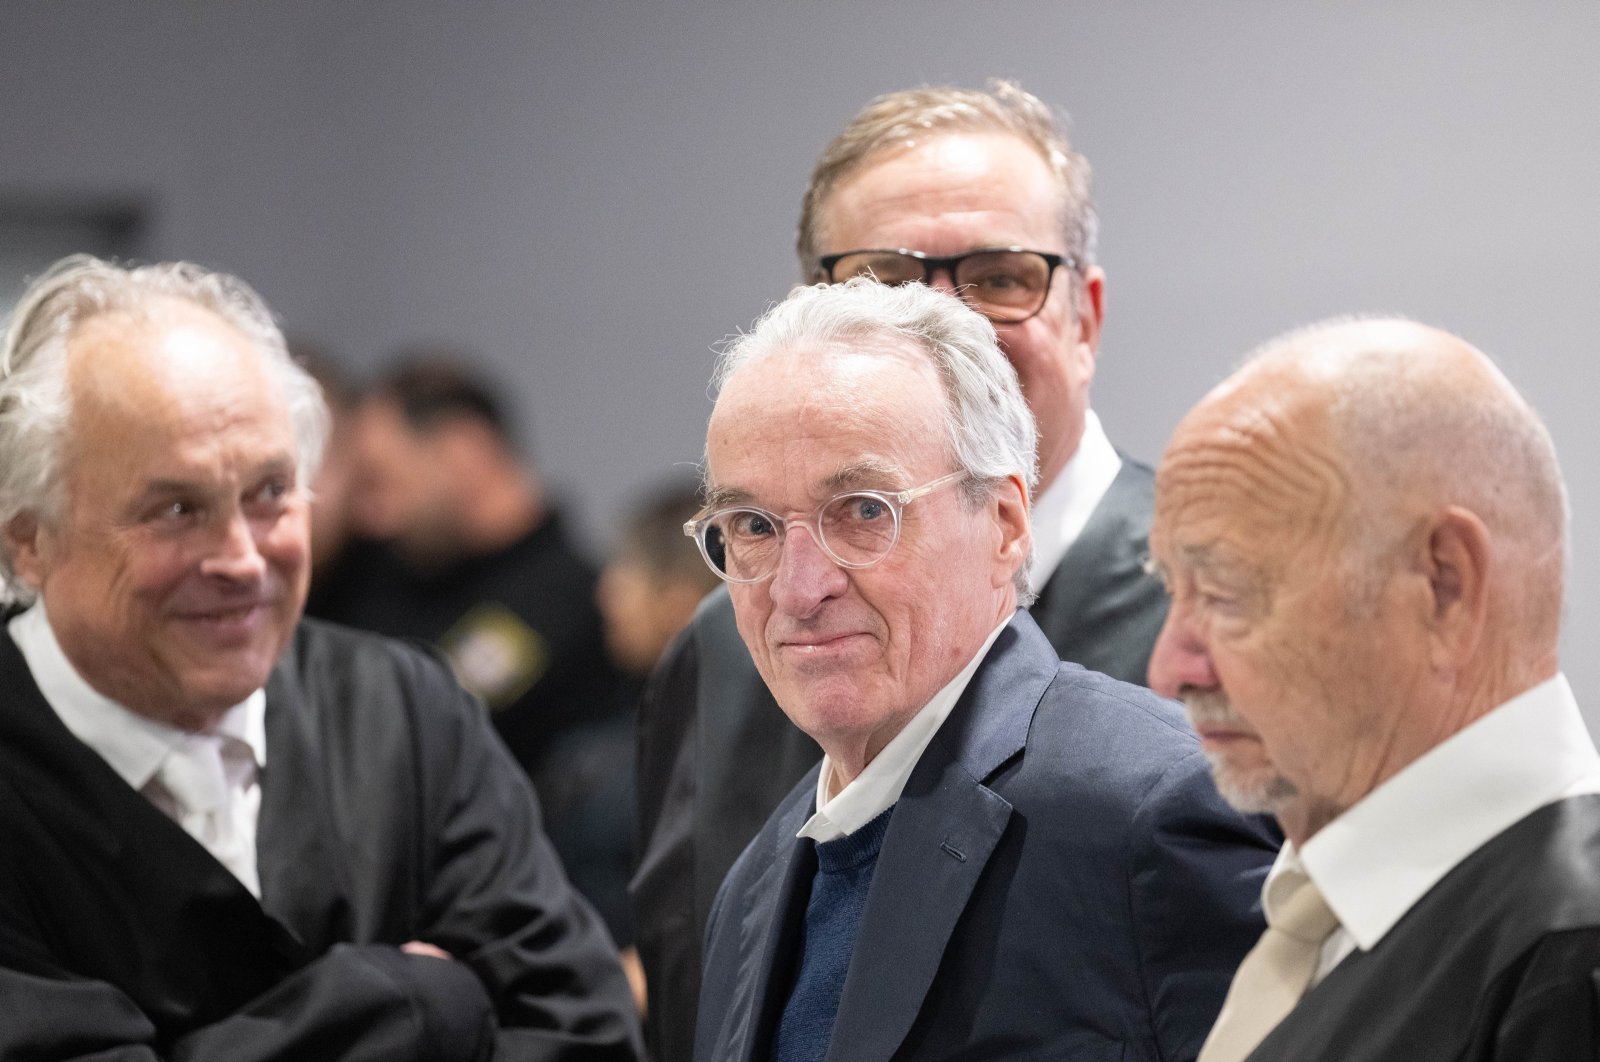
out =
column 1062, row 509
column 879, row 784
column 136, row 746
column 1375, row 861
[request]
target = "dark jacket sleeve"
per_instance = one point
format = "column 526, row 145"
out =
column 496, row 897
column 362, row 1003
column 662, row 890
column 1198, row 868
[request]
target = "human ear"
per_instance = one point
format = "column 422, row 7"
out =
column 1009, row 504
column 1456, row 562
column 1090, row 307
column 23, row 533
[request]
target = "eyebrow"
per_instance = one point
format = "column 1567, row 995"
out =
column 869, row 472
column 858, row 475
column 723, row 497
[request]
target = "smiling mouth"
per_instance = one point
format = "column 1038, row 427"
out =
column 821, row 645
column 239, row 615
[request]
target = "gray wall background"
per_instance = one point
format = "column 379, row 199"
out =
column 591, row 194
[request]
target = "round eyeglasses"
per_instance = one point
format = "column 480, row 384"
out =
column 857, row 529
column 1008, row 285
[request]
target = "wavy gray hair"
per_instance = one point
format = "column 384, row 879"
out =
column 989, row 428
column 35, row 403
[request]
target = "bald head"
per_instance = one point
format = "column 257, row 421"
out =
column 1418, row 421
column 1363, row 529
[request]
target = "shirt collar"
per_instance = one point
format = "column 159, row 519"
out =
column 134, row 745
column 1375, row 861
column 1062, row 509
column 879, row 784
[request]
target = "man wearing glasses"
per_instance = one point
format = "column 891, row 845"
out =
column 978, row 192
column 1000, row 855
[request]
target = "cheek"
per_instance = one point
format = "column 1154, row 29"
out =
column 286, row 544
column 751, row 608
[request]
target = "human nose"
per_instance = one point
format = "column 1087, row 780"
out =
column 236, row 554
column 1179, row 660
column 942, row 278
column 806, row 576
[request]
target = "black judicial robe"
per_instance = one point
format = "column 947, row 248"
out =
column 389, row 813
column 1499, row 961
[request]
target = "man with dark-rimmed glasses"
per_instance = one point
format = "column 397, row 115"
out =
column 999, row 853
column 977, row 192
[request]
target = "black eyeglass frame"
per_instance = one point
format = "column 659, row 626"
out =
column 933, row 263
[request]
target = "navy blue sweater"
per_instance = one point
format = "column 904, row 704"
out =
column 833, row 916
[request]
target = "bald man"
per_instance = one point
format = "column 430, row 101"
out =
column 1363, row 531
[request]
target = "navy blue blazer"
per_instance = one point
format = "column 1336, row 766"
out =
column 716, row 755
column 1059, row 881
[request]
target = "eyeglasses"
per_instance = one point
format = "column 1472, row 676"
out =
column 857, row 529
column 1007, row 285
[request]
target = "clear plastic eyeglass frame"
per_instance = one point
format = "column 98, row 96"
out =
column 701, row 528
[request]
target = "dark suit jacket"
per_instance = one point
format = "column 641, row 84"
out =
column 389, row 813
column 1059, row 881
column 716, row 754
column 1499, row 961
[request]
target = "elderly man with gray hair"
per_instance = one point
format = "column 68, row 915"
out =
column 228, row 834
column 1364, row 532
column 1000, row 855
column 979, row 192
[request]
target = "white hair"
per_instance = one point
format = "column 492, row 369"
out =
column 989, row 428
column 35, row 403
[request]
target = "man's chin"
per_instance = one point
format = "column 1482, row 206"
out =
column 1258, row 792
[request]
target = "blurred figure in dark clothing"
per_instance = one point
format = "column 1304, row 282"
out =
column 652, row 585
column 330, row 490
column 462, row 547
column 647, row 593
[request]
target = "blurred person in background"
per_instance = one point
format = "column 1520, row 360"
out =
column 647, row 592
column 462, row 547
column 650, row 588
column 330, row 490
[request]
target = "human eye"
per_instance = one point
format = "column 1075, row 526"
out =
column 863, row 508
column 883, row 266
column 1002, row 274
column 270, row 494
column 748, row 524
column 167, row 512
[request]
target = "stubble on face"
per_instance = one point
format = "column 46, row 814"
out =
column 1240, row 764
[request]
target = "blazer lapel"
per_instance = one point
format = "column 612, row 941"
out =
column 769, row 933
column 1100, row 608
column 945, row 827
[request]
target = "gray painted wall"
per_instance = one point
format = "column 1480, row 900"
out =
column 592, row 194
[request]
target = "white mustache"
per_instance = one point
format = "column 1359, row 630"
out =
column 1212, row 708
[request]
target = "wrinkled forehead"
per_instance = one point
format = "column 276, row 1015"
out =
column 180, row 371
column 807, row 415
column 168, row 347
column 1250, row 469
